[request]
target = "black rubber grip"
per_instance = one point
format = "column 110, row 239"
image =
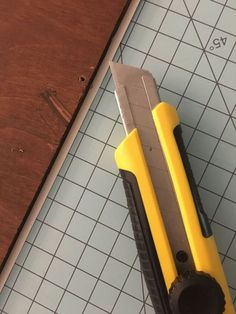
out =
column 202, row 216
column 149, row 261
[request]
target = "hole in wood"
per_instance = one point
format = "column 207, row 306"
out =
column 82, row 78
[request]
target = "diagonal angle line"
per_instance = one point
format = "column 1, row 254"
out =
column 204, row 51
column 145, row 306
column 230, row 118
column 211, row 93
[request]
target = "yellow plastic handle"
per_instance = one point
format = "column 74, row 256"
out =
column 204, row 250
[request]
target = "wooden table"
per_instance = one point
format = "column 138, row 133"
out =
column 49, row 54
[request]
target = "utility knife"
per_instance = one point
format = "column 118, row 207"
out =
column 176, row 247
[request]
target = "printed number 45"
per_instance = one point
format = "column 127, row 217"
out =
column 218, row 42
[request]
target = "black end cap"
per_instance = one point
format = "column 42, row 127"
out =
column 196, row 293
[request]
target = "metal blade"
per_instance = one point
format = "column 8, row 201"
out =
column 135, row 91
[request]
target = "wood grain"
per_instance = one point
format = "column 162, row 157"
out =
column 49, row 53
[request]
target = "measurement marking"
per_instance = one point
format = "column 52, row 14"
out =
column 218, row 43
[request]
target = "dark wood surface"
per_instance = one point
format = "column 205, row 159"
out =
column 49, row 51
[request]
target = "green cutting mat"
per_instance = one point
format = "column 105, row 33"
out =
column 80, row 256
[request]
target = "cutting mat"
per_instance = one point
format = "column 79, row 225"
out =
column 80, row 256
